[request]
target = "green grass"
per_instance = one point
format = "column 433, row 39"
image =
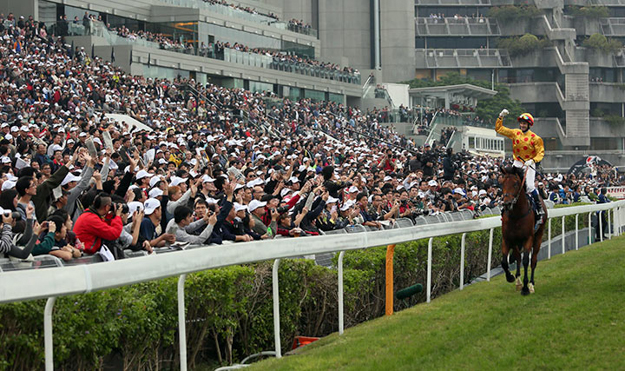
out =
column 575, row 320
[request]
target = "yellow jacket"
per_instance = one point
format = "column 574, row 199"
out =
column 525, row 146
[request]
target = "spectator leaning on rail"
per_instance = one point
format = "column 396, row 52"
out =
column 101, row 221
column 528, row 151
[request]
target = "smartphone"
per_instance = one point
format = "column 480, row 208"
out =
column 138, row 208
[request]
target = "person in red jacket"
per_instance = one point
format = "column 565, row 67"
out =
column 99, row 222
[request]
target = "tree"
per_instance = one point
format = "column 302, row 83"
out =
column 598, row 41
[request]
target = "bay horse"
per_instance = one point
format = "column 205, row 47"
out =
column 517, row 228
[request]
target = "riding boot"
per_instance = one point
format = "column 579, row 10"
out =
column 539, row 209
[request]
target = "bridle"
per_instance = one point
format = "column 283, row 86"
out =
column 507, row 206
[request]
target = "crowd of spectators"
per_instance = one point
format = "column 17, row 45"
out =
column 246, row 9
column 217, row 165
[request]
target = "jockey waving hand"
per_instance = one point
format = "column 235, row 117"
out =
column 528, row 150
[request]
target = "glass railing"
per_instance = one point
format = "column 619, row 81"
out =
column 275, row 63
column 95, row 28
column 242, row 14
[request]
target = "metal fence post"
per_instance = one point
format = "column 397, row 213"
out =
column 182, row 327
column 576, row 232
column 490, row 253
column 276, row 308
column 340, row 267
column 47, row 333
column 549, row 241
column 429, row 289
column 563, row 234
column 601, row 226
column 610, row 224
column 590, row 228
column 462, row 244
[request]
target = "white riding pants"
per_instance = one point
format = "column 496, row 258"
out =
column 530, row 177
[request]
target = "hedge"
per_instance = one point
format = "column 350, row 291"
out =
column 229, row 310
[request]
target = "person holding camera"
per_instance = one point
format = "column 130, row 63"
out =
column 101, row 221
column 183, row 226
column 11, row 243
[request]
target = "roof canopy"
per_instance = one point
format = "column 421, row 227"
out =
column 462, row 94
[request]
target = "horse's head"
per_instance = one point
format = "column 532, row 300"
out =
column 512, row 186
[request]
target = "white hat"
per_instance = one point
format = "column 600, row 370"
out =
column 55, row 147
column 207, row 179
column 255, row 204
column 332, row 200
column 14, row 129
column 176, row 180
column 150, row 205
column 353, row 189
column 155, row 192
column 432, row 183
column 482, row 192
column 24, row 128
column 6, row 160
column 347, row 205
column 8, row 184
column 154, row 180
column 132, row 206
column 143, row 174
column 460, row 191
column 70, row 178
column 238, row 207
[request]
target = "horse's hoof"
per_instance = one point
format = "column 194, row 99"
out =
column 519, row 284
column 509, row 278
column 531, row 288
column 525, row 291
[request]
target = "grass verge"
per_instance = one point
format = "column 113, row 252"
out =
column 573, row 321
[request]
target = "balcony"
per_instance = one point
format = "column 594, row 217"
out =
column 453, row 2
column 462, row 58
column 426, row 26
column 614, row 27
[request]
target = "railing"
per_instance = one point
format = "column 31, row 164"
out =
column 241, row 14
column 53, row 282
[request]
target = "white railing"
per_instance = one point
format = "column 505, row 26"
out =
column 53, row 282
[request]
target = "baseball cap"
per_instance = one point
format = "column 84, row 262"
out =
column 176, row 180
column 70, row 178
column 155, row 192
column 142, row 174
column 238, row 207
column 154, row 180
column 150, row 205
column 432, row 183
column 255, row 204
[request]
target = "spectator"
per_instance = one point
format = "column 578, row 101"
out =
column 99, row 223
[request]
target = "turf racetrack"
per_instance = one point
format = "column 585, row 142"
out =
column 575, row 320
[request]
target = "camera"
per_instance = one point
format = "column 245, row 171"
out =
column 282, row 209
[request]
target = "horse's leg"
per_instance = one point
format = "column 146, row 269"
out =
column 504, row 260
column 517, row 258
column 537, row 241
column 527, row 248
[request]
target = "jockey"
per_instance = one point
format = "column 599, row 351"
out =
column 527, row 150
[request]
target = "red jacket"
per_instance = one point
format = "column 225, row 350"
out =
column 90, row 229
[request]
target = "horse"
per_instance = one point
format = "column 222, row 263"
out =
column 517, row 229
